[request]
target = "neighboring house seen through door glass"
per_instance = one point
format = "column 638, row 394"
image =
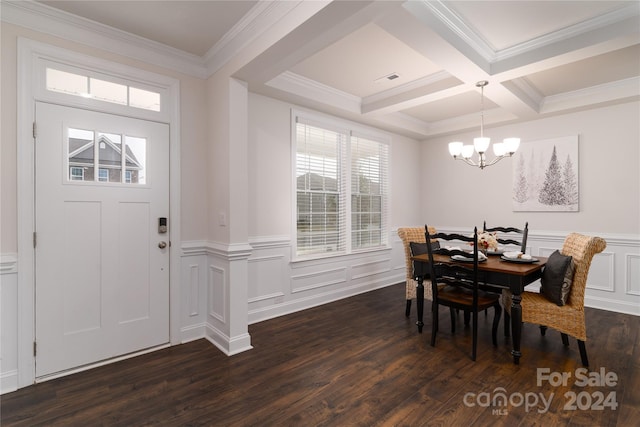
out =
column 90, row 149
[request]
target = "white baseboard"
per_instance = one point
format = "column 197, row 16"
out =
column 192, row 333
column 225, row 344
column 612, row 305
column 8, row 381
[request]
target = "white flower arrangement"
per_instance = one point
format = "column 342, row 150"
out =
column 487, row 241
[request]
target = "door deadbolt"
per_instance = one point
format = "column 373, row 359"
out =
column 162, row 225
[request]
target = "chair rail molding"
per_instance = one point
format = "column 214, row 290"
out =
column 8, row 263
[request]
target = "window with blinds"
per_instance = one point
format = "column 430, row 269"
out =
column 341, row 180
column 369, row 164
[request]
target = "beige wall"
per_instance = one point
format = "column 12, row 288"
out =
column 609, row 176
column 8, row 147
column 270, row 174
column 270, row 179
column 193, row 106
column 429, row 187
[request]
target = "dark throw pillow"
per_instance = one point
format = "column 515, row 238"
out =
column 421, row 268
column 557, row 277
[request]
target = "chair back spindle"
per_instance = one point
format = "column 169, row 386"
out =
column 520, row 241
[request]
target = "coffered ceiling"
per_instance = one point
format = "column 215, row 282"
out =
column 410, row 67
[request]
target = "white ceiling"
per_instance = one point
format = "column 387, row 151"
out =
column 540, row 57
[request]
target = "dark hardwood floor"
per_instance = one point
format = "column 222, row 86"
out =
column 354, row 362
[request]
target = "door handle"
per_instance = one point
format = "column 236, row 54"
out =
column 162, row 245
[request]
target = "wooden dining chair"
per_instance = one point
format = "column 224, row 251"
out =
column 562, row 310
column 409, row 235
column 508, row 236
column 455, row 285
column 516, row 236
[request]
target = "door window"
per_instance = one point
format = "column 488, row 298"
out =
column 101, row 89
column 117, row 158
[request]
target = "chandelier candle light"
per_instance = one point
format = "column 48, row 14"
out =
column 501, row 150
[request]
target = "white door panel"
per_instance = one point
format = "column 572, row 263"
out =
column 102, row 282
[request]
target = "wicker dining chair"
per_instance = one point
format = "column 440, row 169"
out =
column 408, row 235
column 568, row 319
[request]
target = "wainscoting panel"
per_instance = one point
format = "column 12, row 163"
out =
column 267, row 274
column 397, row 257
column 193, row 291
column 279, row 286
column 9, row 323
column 318, row 279
column 602, row 272
column 217, row 293
column 227, row 295
column 632, row 274
column 370, row 269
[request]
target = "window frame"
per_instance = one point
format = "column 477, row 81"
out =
column 98, row 72
column 95, row 80
column 73, row 177
column 350, row 131
column 100, row 171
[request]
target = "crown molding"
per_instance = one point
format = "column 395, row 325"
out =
column 619, row 91
column 471, row 122
column 44, row 19
column 617, row 28
column 597, row 23
column 259, row 19
column 419, row 129
column 459, row 28
column 464, row 32
column 304, row 87
column 526, row 92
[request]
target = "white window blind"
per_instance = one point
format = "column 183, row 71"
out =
column 369, row 189
column 320, row 188
column 341, row 190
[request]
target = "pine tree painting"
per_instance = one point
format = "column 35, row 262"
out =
column 521, row 188
column 552, row 192
column 570, row 182
column 545, row 175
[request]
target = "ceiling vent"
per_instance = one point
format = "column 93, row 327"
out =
column 388, row 77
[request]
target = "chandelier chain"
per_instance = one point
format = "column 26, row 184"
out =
column 481, row 84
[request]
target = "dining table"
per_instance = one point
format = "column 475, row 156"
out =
column 495, row 273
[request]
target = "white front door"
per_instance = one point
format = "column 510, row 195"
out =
column 102, row 259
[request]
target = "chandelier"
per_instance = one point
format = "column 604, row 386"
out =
column 507, row 147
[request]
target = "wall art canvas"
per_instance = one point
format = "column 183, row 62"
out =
column 545, row 175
